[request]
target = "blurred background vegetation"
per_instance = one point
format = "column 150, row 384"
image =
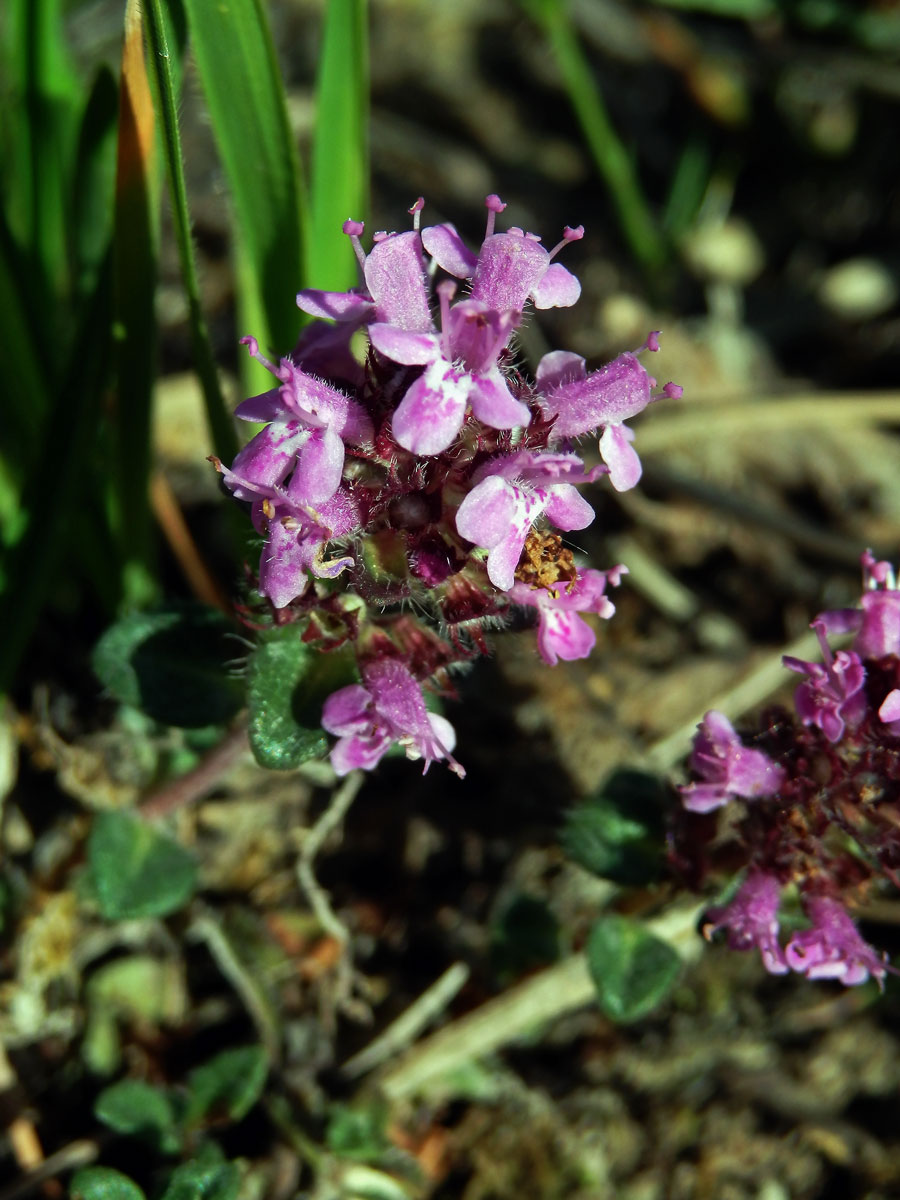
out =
column 170, row 174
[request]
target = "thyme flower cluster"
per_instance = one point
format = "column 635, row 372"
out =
column 820, row 796
column 409, row 496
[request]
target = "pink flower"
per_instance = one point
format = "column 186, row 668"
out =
column 876, row 622
column 460, row 371
column 296, row 535
column 387, row 709
column 832, row 948
column 396, row 287
column 511, row 492
column 510, row 269
column 832, row 695
column 582, row 401
column 727, row 767
column 309, row 423
column 752, row 920
column 561, row 631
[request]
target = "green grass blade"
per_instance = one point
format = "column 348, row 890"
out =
column 235, row 57
column 134, row 286
column 94, row 181
column 52, row 497
column 24, row 370
column 610, row 156
column 42, row 116
column 690, row 180
column 221, row 425
column 339, row 185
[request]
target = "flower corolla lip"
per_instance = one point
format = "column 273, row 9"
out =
column 510, row 493
column 386, row 709
column 751, row 919
column 561, row 631
column 727, row 767
column 833, row 948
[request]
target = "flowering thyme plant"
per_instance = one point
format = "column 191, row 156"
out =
column 409, row 501
column 820, row 791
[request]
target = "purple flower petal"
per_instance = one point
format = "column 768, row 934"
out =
column 324, row 349
column 493, row 403
column 319, row 465
column 559, row 288
column 404, row 346
column 485, row 514
column 509, row 267
column 283, row 563
column 879, row 634
column 263, row 408
column 269, row 456
column 348, row 710
column 388, row 709
column 889, row 712
column 620, row 456
column 476, row 335
column 564, row 635
column 449, row 251
column 566, row 509
column 431, row 414
column 557, row 368
column 609, row 396
column 395, row 275
column 336, row 306
column 833, row 948
column 359, row 753
column 727, row 767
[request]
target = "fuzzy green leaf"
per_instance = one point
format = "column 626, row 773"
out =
column 135, row 871
column 172, row 663
column 285, row 689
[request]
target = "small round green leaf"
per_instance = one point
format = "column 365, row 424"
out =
column 358, row 1131
column 135, row 1107
column 526, row 935
column 632, row 970
column 618, row 833
column 203, row 1180
column 103, row 1183
column 227, row 1086
column 173, row 663
column 135, row 871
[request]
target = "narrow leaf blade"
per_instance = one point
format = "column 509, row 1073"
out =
column 340, row 153
column 236, row 59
